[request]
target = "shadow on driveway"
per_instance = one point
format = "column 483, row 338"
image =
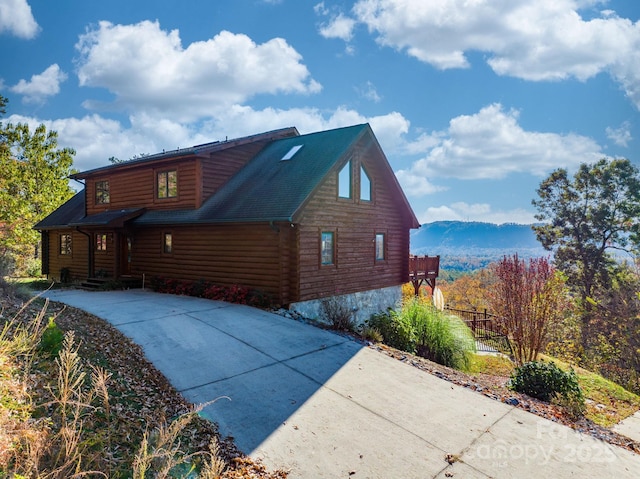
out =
column 257, row 366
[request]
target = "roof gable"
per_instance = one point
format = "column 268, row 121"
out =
column 273, row 189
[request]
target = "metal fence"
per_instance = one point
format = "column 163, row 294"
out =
column 488, row 334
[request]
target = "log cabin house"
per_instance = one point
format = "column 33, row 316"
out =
column 298, row 217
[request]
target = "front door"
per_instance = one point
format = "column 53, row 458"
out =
column 126, row 244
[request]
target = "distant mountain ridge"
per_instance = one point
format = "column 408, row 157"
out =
column 468, row 245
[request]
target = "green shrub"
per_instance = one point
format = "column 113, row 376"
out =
column 395, row 330
column 546, row 380
column 52, row 338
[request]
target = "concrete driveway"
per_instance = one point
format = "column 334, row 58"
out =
column 322, row 405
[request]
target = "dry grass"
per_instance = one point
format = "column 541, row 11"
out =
column 63, row 417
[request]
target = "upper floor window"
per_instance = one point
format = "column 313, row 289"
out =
column 168, row 184
column 65, row 244
column 344, row 181
column 101, row 242
column 365, row 185
column 102, row 192
column 327, row 248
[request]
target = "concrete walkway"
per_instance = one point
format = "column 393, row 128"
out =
column 323, row 406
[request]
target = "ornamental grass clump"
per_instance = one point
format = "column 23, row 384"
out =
column 420, row 328
column 440, row 337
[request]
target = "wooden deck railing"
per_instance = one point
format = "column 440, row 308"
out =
column 423, row 269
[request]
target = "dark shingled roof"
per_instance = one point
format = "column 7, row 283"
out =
column 69, row 212
column 113, row 218
column 269, row 188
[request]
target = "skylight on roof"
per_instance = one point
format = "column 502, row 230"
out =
column 291, row 152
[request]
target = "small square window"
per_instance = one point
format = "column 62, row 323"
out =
column 327, row 248
column 168, row 243
column 344, row 181
column 65, row 244
column 168, row 184
column 101, row 242
column 379, row 246
column 102, row 192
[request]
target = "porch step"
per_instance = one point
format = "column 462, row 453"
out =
column 125, row 282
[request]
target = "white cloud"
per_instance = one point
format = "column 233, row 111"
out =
column 491, row 144
column 96, row 139
column 530, row 39
column 339, row 26
column 462, row 211
column 620, row 136
column 417, row 185
column 16, row 18
column 148, row 69
column 42, row 85
column 369, row 92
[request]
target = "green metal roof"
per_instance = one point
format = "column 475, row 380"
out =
column 269, row 188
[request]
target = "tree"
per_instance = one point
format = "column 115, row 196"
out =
column 527, row 298
column 34, row 182
column 469, row 291
column 586, row 218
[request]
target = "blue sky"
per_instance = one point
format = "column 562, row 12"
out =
column 474, row 102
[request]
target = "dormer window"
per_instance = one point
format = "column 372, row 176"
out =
column 102, row 192
column 168, row 184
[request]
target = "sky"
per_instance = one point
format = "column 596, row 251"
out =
column 474, row 102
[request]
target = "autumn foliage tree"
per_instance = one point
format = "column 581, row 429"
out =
column 527, row 297
column 469, row 291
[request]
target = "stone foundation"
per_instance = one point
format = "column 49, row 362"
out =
column 363, row 304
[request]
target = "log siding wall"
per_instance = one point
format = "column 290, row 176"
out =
column 77, row 261
column 252, row 255
column 136, row 188
column 355, row 223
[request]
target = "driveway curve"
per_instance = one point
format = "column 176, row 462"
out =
column 323, row 406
